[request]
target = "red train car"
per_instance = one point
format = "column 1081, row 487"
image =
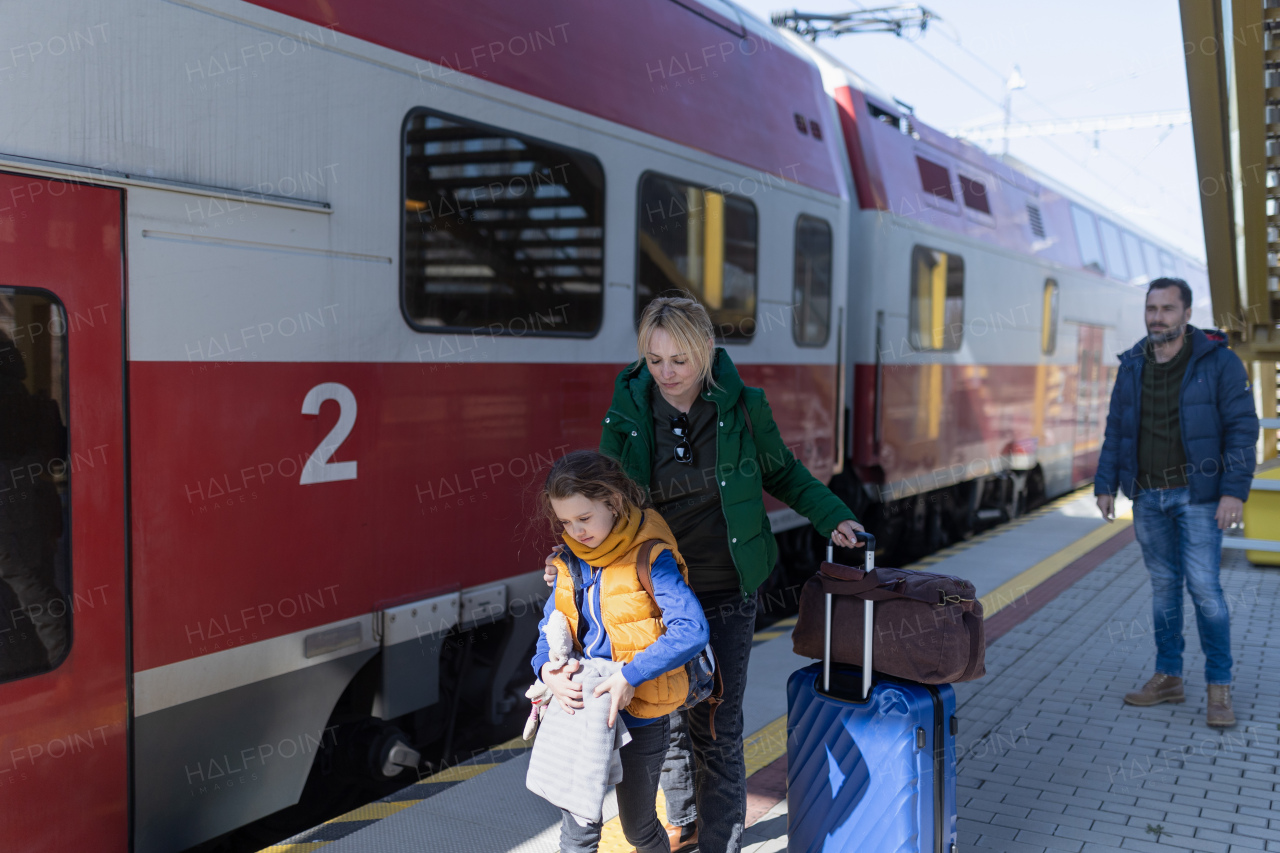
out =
column 300, row 299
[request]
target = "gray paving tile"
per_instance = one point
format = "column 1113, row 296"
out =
column 1114, row 771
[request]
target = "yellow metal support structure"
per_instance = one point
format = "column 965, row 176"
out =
column 1233, row 78
column 1228, row 54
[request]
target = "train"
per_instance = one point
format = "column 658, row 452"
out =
column 311, row 294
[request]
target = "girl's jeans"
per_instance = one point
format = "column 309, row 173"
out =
column 641, row 767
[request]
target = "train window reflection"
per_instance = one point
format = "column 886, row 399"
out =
column 502, row 233
column 35, row 555
column 1087, row 239
column 1152, row 259
column 1137, row 266
column 1115, row 253
column 937, row 299
column 1049, row 318
column 701, row 242
column 811, row 294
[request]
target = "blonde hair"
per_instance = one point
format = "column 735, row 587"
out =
column 688, row 324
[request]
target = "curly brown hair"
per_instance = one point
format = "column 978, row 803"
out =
column 594, row 476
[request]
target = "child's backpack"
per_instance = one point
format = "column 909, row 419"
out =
column 705, row 684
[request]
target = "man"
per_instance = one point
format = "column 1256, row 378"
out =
column 1180, row 442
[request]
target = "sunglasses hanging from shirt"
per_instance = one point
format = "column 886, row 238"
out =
column 680, row 428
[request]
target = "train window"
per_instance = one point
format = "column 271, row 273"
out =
column 1133, row 252
column 502, row 233
column 975, row 195
column 811, row 294
column 701, row 242
column 935, row 178
column 1115, row 253
column 937, row 299
column 1152, row 258
column 1167, row 267
column 35, row 479
column 1049, row 318
column 1087, row 239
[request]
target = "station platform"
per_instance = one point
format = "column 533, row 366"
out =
column 1049, row 757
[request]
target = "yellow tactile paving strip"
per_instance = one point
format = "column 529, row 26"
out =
column 1051, row 506
column 382, row 809
column 1014, row 588
column 777, row 629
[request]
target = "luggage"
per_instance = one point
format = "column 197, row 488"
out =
column 928, row 627
column 871, row 768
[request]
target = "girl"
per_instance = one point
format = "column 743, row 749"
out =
column 600, row 513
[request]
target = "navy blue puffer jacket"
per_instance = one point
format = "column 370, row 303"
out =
column 1215, row 408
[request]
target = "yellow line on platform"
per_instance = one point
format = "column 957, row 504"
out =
column 374, row 811
column 766, row 746
column 302, row 847
column 1011, row 590
column 457, row 773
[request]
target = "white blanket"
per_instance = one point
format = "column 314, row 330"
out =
column 575, row 756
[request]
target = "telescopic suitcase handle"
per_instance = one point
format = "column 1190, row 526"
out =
column 867, row 613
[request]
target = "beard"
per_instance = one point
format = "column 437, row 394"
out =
column 1163, row 336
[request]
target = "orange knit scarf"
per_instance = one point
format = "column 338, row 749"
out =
column 617, row 543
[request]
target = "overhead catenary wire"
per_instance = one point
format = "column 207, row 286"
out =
column 997, row 103
column 1134, row 170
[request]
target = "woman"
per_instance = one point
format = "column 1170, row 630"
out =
column 683, row 425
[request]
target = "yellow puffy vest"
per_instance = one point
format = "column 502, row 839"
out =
column 632, row 619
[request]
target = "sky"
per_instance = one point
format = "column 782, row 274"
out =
column 1083, row 59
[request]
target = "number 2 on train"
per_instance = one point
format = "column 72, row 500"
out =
column 318, row 468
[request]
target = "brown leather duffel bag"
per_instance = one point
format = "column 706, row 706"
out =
column 926, row 627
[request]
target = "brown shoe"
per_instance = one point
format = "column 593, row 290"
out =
column 1161, row 688
column 678, row 844
column 1220, row 714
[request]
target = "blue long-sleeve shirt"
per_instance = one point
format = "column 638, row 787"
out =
column 687, row 629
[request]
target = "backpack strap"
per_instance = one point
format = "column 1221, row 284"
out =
column 644, row 568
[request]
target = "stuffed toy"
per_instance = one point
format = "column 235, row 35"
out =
column 560, row 641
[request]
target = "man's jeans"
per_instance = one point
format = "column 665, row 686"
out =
column 1181, row 540
column 719, row 782
column 641, row 767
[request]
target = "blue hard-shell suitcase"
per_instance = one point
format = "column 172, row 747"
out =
column 873, row 775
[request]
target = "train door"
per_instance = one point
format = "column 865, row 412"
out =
column 1091, row 403
column 63, row 698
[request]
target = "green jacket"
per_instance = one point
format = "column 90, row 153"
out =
column 746, row 465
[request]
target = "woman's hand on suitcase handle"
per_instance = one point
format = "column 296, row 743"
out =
column 845, row 535
column 549, row 570
column 567, row 691
column 622, row 691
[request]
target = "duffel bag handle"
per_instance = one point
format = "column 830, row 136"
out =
column 868, row 611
